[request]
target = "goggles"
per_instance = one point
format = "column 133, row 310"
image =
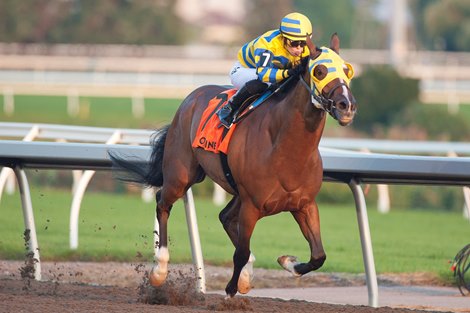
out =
column 296, row 43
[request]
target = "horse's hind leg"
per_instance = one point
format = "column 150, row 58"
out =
column 229, row 219
column 174, row 188
column 159, row 272
column 309, row 223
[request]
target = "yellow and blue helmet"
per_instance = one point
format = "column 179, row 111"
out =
column 295, row 26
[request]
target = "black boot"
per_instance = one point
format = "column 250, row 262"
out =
column 227, row 112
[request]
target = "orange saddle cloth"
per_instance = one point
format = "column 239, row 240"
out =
column 211, row 135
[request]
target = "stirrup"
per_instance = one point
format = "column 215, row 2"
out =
column 226, row 122
column 225, row 115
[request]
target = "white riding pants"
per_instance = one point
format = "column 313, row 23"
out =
column 240, row 75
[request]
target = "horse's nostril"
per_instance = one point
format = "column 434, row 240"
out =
column 342, row 105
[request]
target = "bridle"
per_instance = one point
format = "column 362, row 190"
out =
column 320, row 101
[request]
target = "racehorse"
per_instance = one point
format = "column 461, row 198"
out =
column 273, row 156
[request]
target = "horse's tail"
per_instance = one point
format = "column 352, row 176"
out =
column 149, row 175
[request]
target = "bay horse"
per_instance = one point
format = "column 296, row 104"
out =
column 273, row 156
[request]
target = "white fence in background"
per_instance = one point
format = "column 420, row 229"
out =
column 174, row 71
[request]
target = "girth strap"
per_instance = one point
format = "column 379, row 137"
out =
column 225, row 168
column 227, row 171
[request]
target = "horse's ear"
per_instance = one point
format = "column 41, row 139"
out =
column 312, row 48
column 334, row 43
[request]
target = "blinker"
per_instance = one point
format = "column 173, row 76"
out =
column 335, row 66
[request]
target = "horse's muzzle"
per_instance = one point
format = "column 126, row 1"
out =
column 344, row 112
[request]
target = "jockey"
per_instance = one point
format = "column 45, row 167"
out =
column 267, row 59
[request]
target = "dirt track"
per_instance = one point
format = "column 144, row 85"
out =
column 117, row 287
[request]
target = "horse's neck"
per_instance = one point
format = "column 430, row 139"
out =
column 300, row 125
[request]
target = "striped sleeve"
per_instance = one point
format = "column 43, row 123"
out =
column 271, row 74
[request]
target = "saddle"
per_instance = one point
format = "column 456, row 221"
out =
column 211, row 135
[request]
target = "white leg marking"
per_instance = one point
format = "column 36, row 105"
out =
column 160, row 271
column 288, row 262
column 246, row 276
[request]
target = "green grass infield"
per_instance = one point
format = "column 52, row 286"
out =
column 118, row 227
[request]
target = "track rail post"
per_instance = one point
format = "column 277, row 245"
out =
column 195, row 241
column 28, row 216
column 366, row 243
column 79, row 193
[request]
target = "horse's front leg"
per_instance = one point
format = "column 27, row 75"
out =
column 309, row 223
column 247, row 219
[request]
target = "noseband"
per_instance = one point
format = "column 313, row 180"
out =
column 318, row 100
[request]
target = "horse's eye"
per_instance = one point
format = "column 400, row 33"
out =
column 320, row 72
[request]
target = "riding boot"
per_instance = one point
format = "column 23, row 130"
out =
column 227, row 112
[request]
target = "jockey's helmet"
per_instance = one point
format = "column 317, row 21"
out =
column 295, row 26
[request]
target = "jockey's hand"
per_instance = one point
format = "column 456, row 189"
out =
column 295, row 71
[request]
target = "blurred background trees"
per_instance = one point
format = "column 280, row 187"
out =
column 381, row 104
column 442, row 24
column 91, row 22
column 433, row 24
column 392, row 109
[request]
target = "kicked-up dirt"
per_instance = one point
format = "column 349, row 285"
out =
column 123, row 287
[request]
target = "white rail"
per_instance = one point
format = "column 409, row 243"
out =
column 30, row 132
column 452, row 149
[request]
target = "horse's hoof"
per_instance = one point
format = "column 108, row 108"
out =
column 231, row 289
column 288, row 262
column 157, row 277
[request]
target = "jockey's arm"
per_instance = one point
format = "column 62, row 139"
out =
column 265, row 68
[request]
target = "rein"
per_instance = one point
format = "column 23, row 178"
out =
column 318, row 100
